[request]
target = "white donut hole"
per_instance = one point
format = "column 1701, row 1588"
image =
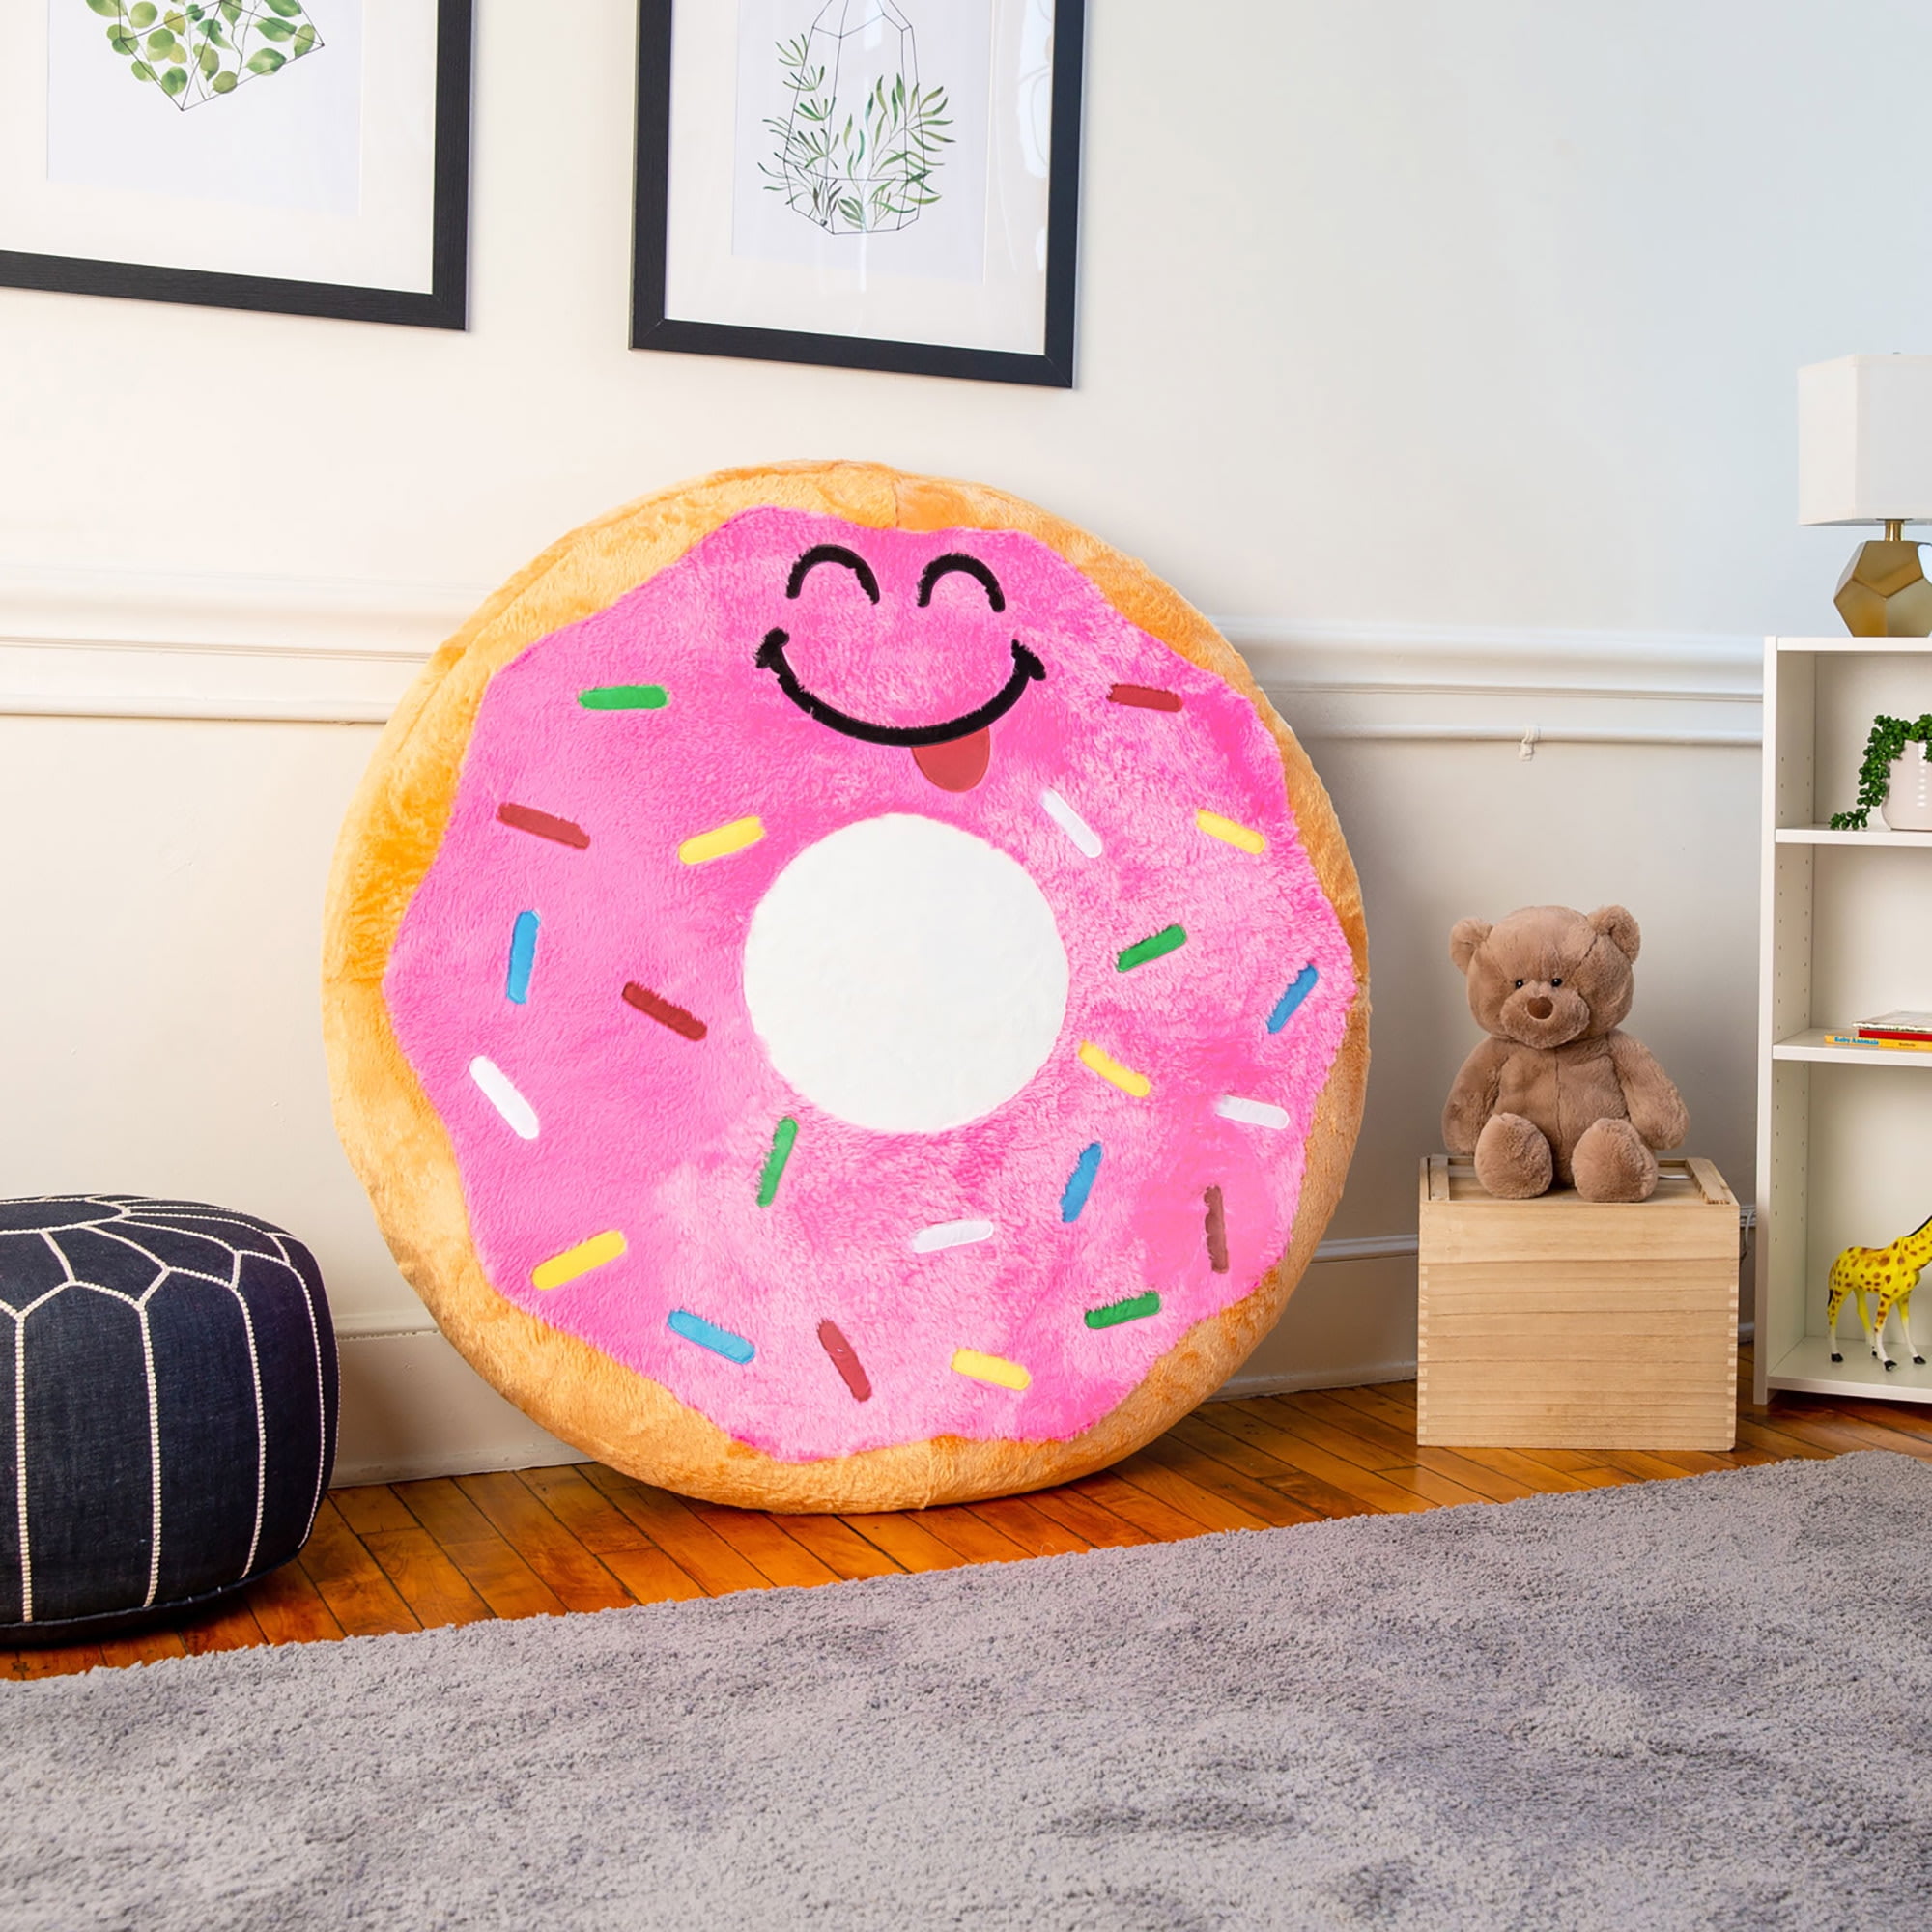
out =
column 905, row 976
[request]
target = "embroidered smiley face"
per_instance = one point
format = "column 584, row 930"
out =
column 953, row 752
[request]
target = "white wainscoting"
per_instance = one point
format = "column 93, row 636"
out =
column 100, row 645
column 125, row 645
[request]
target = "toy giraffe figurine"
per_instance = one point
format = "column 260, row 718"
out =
column 1888, row 1276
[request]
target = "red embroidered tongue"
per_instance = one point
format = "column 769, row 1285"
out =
column 959, row 764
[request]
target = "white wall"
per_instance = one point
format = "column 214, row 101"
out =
column 1444, row 352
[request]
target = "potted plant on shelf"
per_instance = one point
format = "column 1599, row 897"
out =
column 1895, row 776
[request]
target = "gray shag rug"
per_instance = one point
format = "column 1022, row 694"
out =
column 1702, row 1703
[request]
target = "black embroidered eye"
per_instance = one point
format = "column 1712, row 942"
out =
column 1557, row 983
column 971, row 566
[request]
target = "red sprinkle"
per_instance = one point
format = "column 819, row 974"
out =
column 1145, row 697
column 1217, row 1232
column 526, row 818
column 664, row 1012
column 850, row 1370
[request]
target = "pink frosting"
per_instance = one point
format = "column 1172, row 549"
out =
column 664, row 1139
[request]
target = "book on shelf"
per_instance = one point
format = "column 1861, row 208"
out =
column 1882, row 1043
column 1902, row 1024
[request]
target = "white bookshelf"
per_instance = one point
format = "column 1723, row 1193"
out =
column 1844, row 1150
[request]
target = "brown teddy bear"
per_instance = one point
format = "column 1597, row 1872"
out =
column 1556, row 1093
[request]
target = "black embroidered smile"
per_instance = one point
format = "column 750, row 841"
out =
column 1025, row 668
column 771, row 656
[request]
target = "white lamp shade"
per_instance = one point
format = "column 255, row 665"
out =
column 1865, row 440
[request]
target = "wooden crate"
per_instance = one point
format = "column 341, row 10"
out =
column 1565, row 1323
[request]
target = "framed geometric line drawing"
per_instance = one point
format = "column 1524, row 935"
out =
column 302, row 156
column 864, row 183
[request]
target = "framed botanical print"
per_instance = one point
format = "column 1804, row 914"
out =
column 871, row 184
column 309, row 156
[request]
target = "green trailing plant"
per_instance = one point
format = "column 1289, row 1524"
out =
column 1888, row 739
column 200, row 51
column 871, row 171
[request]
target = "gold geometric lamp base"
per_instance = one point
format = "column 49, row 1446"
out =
column 1865, row 456
column 1884, row 592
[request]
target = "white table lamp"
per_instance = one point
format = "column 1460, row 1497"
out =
column 1865, row 456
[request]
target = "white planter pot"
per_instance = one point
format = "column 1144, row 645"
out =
column 1908, row 800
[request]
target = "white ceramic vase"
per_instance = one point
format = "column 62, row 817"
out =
column 1908, row 798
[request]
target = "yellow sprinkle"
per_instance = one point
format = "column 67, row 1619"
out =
column 1110, row 1068
column 726, row 839
column 995, row 1369
column 1217, row 826
column 580, row 1259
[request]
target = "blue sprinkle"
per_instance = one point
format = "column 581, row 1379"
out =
column 1080, row 1183
column 523, row 956
column 1284, row 1012
column 720, row 1340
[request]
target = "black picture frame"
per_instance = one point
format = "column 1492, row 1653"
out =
column 652, row 328
column 444, row 306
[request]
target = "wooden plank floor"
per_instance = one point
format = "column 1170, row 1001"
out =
column 400, row 1556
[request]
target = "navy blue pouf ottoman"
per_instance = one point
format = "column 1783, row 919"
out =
column 167, row 1408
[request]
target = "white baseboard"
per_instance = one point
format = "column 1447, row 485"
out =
column 411, row 1407
column 1289, row 1381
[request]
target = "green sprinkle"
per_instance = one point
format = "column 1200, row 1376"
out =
column 1167, row 940
column 624, row 697
column 774, row 1161
column 1130, row 1310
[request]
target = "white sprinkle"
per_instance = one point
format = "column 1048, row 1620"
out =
column 1072, row 823
column 1256, row 1113
column 951, row 1234
column 501, row 1095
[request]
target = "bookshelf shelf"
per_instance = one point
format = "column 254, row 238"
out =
column 1810, row 1045
column 1876, row 836
column 1844, row 1150
column 1850, row 647
column 1809, row 1368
